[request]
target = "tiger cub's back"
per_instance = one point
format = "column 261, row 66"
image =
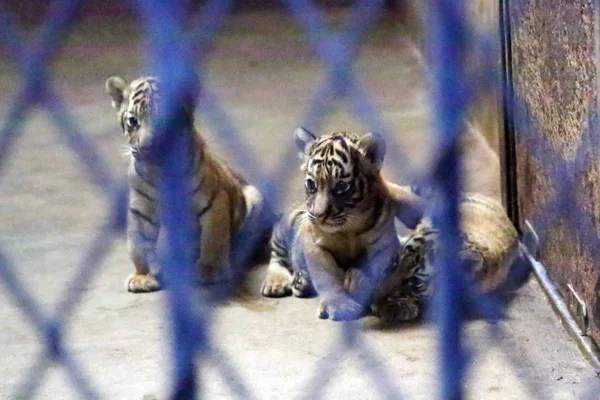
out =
column 489, row 234
column 490, row 245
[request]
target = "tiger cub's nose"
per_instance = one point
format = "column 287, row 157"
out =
column 321, row 206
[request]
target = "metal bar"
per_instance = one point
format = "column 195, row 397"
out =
column 78, row 379
column 337, row 50
column 33, row 378
column 10, row 131
column 508, row 149
column 379, row 374
column 206, row 25
column 585, row 344
column 177, row 263
column 239, row 148
column 230, row 375
column 447, row 41
column 10, row 37
column 172, row 152
column 92, row 259
column 95, row 166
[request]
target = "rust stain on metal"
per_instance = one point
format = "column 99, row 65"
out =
column 554, row 50
column 554, row 66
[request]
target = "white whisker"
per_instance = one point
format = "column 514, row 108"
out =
column 126, row 152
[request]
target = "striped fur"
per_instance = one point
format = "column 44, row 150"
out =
column 226, row 208
column 342, row 237
column 490, row 248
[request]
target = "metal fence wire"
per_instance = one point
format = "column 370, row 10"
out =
column 172, row 54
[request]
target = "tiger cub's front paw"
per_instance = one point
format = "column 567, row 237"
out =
column 302, row 285
column 339, row 308
column 277, row 284
column 141, row 283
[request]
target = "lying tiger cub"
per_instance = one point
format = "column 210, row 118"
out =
column 490, row 251
column 342, row 238
column 226, row 207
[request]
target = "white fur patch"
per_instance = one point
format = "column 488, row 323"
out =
column 254, row 200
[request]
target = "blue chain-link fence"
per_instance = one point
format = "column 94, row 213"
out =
column 172, row 54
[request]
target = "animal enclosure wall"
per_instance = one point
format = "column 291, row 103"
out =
column 555, row 63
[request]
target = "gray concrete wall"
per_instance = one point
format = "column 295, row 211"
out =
column 482, row 19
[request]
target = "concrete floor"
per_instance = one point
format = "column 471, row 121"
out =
column 264, row 73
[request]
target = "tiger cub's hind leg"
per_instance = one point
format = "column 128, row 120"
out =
column 405, row 307
column 407, row 287
column 214, row 264
column 278, row 281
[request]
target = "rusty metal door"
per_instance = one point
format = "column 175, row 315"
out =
column 551, row 143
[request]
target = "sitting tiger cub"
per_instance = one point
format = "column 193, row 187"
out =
column 339, row 242
column 225, row 205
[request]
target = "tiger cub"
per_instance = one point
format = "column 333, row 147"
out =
column 490, row 251
column 225, row 206
column 339, row 241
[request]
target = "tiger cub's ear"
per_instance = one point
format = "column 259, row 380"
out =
column 372, row 146
column 304, row 139
column 115, row 86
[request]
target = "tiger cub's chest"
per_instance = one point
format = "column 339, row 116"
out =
column 346, row 249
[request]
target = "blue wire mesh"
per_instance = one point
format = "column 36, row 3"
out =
column 172, row 54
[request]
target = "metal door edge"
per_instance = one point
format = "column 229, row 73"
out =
column 585, row 343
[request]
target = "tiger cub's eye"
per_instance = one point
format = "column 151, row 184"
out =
column 311, row 186
column 341, row 187
column 132, row 123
